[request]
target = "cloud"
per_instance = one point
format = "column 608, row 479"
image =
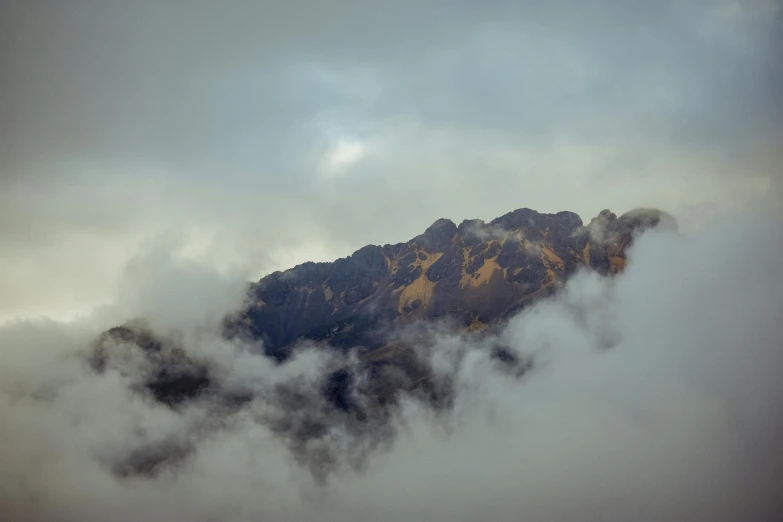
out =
column 122, row 122
column 342, row 156
column 155, row 155
column 652, row 396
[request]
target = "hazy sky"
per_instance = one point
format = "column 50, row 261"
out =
column 155, row 154
column 254, row 135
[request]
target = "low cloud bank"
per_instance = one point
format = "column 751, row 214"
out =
column 651, row 396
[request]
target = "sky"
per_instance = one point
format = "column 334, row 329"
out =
column 157, row 155
column 252, row 136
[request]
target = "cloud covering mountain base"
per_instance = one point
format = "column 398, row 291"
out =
column 654, row 395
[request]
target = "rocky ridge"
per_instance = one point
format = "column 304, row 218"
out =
column 382, row 305
column 475, row 273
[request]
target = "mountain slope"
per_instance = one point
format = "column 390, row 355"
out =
column 476, row 273
column 379, row 304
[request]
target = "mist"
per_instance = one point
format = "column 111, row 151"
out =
column 654, row 395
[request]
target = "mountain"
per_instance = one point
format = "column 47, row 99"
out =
column 382, row 305
column 476, row 274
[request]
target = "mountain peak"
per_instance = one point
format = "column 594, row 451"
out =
column 476, row 273
column 438, row 236
column 473, row 276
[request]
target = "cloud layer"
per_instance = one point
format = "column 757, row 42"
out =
column 121, row 122
column 155, row 156
column 652, row 396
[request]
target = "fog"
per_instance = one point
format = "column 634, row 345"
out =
column 155, row 156
column 654, row 396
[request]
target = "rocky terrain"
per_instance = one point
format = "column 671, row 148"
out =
column 476, row 273
column 378, row 305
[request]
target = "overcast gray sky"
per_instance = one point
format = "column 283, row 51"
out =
column 254, row 135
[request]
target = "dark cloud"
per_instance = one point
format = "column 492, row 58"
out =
column 187, row 82
column 121, row 121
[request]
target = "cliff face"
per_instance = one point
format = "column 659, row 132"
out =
column 476, row 273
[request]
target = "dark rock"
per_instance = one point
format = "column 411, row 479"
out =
column 508, row 253
column 354, row 302
column 448, row 268
column 522, row 218
column 337, row 389
column 294, row 305
column 438, row 236
column 275, row 289
column 406, row 275
column 410, row 257
column 356, row 305
column 173, row 376
column 358, row 271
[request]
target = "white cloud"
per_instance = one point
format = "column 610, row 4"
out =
column 677, row 420
column 342, row 156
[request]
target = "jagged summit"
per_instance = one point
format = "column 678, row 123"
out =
column 476, row 273
column 438, row 236
column 473, row 275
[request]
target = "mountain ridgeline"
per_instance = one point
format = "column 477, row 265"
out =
column 476, row 274
column 383, row 306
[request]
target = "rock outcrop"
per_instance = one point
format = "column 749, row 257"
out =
column 473, row 275
column 476, row 273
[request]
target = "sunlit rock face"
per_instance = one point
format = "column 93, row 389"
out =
column 476, row 273
column 473, row 276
